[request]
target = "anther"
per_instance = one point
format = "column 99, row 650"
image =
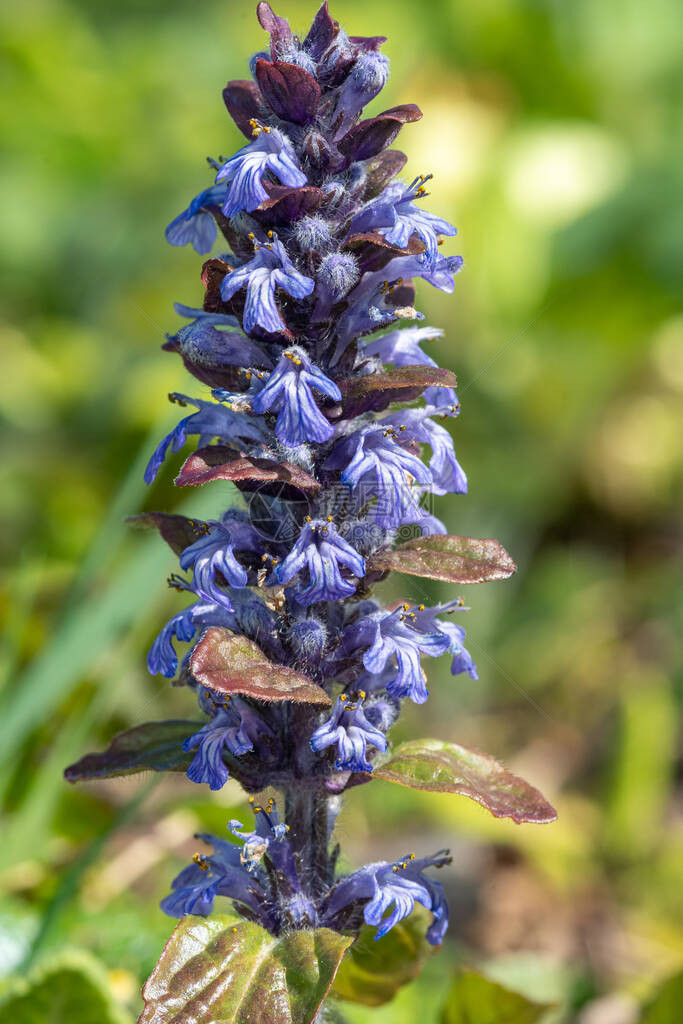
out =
column 342, row 696
column 329, row 519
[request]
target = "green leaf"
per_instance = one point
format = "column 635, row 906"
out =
column 665, row 1006
column 448, row 558
column 442, row 767
column 69, row 989
column 154, row 746
column 372, row 971
column 229, row 663
column 475, row 999
column 225, row 970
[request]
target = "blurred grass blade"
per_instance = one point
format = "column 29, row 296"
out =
column 70, row 880
column 84, row 635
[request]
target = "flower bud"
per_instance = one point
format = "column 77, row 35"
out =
column 338, row 273
column 367, row 78
column 308, row 639
column 312, row 234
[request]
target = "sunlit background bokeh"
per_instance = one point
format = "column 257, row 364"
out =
column 553, row 130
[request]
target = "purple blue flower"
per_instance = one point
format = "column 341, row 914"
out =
column 222, row 873
column 271, row 151
column 381, row 468
column 213, row 554
column 196, row 226
column 235, row 728
column 211, row 420
column 428, row 620
column 393, row 635
column 396, row 887
column 402, row 347
column 447, row 475
column 320, row 551
column 349, row 730
column 269, row 268
column 396, row 215
column 289, row 392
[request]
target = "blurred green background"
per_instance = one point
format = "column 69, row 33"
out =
column 554, row 133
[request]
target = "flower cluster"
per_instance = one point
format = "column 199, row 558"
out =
column 318, row 401
column 309, row 310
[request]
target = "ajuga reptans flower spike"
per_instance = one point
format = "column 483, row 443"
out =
column 314, row 396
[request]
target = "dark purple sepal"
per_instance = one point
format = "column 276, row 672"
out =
column 228, row 376
column 366, row 43
column 289, row 90
column 238, row 241
column 218, row 462
column 285, row 205
column 372, row 251
column 154, row 746
column 370, row 137
column 244, row 102
column 376, row 391
column 318, row 151
column 218, row 358
column 179, row 532
column 213, row 272
column 322, row 33
column 278, row 28
column 382, row 169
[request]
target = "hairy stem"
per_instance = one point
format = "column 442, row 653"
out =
column 306, row 813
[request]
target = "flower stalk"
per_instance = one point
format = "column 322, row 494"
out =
column 316, row 399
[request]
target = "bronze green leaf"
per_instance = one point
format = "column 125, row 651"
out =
column 448, row 558
column 179, row 532
column 229, row 663
column 442, row 767
column 154, row 746
column 218, row 462
column 375, row 391
column 225, row 970
column 372, row 971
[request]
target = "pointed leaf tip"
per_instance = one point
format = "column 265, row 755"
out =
column 154, row 746
column 442, row 767
column 229, row 663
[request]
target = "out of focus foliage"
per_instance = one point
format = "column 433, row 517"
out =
column 554, row 131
